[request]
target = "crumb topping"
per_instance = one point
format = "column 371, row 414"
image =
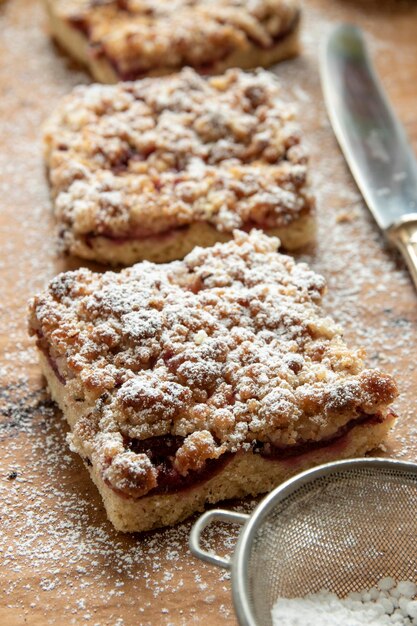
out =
column 139, row 159
column 224, row 349
column 138, row 36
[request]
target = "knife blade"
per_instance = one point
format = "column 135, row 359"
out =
column 372, row 139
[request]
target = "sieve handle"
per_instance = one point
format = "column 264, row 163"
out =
column 205, row 520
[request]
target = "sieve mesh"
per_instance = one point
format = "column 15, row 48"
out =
column 343, row 531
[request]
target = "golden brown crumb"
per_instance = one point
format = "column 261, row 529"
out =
column 222, row 350
column 136, row 38
column 137, row 160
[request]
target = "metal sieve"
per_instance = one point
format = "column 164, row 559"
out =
column 341, row 526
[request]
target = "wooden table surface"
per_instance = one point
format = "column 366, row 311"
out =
column 61, row 562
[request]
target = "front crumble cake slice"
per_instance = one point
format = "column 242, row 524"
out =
column 130, row 39
column 213, row 377
column 149, row 170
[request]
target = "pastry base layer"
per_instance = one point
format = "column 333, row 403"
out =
column 76, row 44
column 176, row 244
column 247, row 474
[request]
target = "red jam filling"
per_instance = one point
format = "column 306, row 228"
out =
column 136, row 235
column 279, row 453
column 52, row 362
column 161, row 451
column 80, row 23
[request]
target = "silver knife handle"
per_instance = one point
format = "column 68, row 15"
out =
column 403, row 235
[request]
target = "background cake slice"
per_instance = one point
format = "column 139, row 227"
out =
column 209, row 378
column 130, row 39
column 150, row 169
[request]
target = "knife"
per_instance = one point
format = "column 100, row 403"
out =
column 372, row 139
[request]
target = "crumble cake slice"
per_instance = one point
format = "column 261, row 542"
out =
column 130, row 39
column 148, row 170
column 209, row 378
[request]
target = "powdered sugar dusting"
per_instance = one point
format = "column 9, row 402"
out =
column 388, row 602
column 60, row 532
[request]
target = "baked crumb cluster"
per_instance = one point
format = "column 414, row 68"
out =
column 139, row 159
column 142, row 35
column 222, row 349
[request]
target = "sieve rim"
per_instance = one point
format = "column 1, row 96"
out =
column 239, row 569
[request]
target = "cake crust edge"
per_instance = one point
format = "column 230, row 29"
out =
column 246, row 474
column 176, row 245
